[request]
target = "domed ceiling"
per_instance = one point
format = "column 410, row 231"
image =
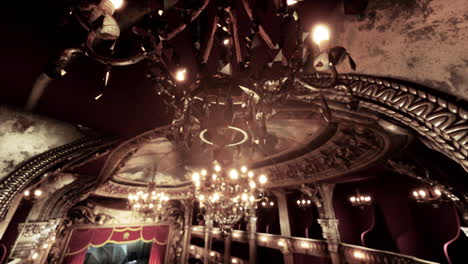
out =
column 171, row 162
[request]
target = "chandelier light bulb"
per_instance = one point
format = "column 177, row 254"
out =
column 298, row 201
column 272, row 203
column 244, row 197
column 415, row 194
column 233, row 174
column 250, row 174
column 215, row 197
column 263, row 204
column 203, row 172
column 352, row 199
column 226, row 41
column 181, row 75
column 201, row 197
column 27, row 193
column 262, row 179
column 117, row 3
column 217, row 168
column 320, row 33
column 437, row 192
column 195, row 177
column 243, row 169
column 37, row 193
column 252, row 185
column 422, row 193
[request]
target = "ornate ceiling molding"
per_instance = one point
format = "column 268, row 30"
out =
column 353, row 147
column 442, row 124
column 55, row 159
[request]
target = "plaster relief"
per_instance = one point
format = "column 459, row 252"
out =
column 422, row 41
column 24, row 135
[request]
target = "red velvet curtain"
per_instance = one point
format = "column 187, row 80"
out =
column 83, row 238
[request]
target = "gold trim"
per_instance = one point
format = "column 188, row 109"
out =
column 116, row 229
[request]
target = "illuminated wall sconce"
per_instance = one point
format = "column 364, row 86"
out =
column 432, row 195
column 359, row 255
column 360, row 200
column 304, row 202
column 33, row 194
column 267, row 203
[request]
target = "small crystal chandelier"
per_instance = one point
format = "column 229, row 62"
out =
column 148, row 203
column 227, row 196
column 360, row 200
column 266, row 202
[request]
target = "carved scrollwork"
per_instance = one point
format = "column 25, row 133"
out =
column 353, row 147
column 443, row 124
column 24, row 174
column 121, row 153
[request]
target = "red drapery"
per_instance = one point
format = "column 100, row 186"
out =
column 82, row 238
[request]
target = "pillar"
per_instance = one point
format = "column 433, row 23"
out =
column 227, row 246
column 329, row 223
column 284, row 223
column 252, row 238
column 208, row 238
column 188, row 230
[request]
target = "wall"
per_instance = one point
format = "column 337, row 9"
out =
column 423, row 41
column 401, row 224
column 24, row 135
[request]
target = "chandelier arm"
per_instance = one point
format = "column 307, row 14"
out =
column 235, row 35
column 209, row 44
column 261, row 30
column 183, row 26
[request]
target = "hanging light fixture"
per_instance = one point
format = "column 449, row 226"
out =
column 360, row 200
column 304, row 202
column 148, row 203
column 432, row 194
column 266, row 202
column 227, row 195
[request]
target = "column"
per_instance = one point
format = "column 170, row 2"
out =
column 227, row 246
column 329, row 223
column 208, row 238
column 188, row 230
column 252, row 238
column 284, row 223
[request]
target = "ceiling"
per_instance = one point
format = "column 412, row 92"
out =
column 39, row 30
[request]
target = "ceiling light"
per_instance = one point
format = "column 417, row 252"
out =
column 117, row 3
column 181, row 75
column 291, row 2
column 233, row 174
column 262, row 179
column 320, row 33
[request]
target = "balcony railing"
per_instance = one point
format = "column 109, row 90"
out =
column 298, row 245
column 357, row 255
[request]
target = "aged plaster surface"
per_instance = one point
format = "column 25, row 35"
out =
column 424, row 41
column 23, row 135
